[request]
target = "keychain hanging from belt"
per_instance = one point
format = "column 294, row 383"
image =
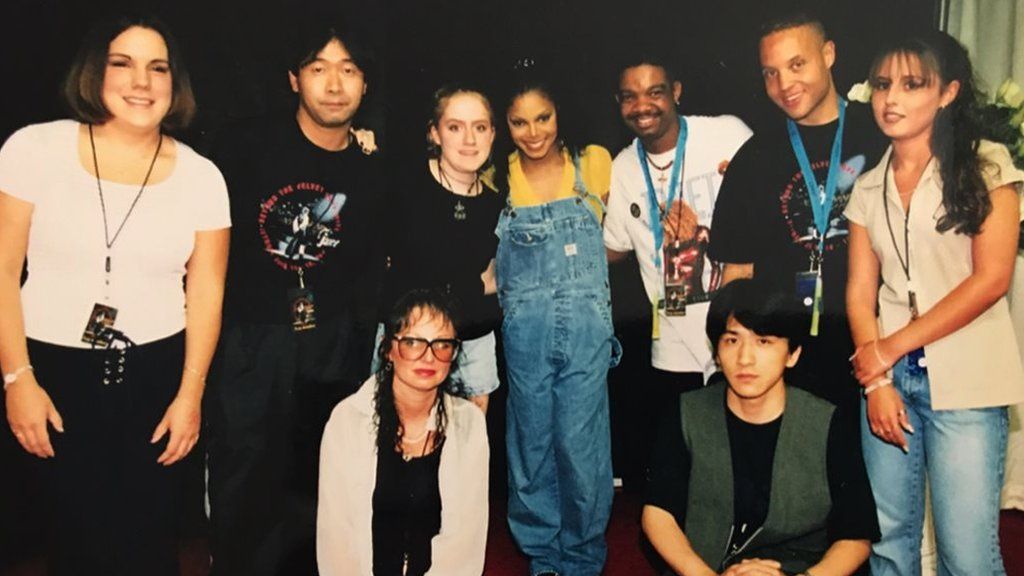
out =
column 672, row 298
column 100, row 326
column 809, row 284
column 302, row 305
column 916, row 362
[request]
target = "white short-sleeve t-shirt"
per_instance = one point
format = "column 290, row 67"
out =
column 682, row 345
column 66, row 245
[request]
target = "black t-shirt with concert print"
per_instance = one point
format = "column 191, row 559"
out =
column 297, row 207
column 763, row 216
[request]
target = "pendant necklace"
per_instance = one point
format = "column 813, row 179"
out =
column 459, row 212
column 103, row 205
column 662, row 176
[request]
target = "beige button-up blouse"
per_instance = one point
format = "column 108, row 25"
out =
column 978, row 365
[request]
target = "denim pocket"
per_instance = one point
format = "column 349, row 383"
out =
column 529, row 235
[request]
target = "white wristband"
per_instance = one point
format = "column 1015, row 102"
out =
column 876, row 385
column 12, row 377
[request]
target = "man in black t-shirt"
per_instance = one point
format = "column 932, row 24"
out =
column 765, row 224
column 751, row 473
column 299, row 313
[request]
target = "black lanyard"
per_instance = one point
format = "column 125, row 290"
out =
column 103, row 205
column 905, row 264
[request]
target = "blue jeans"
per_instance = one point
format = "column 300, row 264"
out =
column 553, row 286
column 962, row 452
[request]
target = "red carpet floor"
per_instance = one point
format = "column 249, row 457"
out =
column 624, row 555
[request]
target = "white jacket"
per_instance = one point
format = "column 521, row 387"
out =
column 348, row 476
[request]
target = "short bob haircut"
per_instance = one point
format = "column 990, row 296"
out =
column 762, row 309
column 83, row 86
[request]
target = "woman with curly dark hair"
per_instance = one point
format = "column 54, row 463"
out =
column 403, row 463
column 937, row 223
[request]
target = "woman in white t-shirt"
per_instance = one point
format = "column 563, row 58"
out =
column 937, row 222
column 104, row 355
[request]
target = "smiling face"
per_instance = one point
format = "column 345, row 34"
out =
column 906, row 97
column 426, row 373
column 330, row 88
column 533, row 125
column 796, row 66
column 752, row 363
column 647, row 102
column 464, row 133
column 137, row 83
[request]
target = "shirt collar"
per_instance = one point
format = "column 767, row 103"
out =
column 875, row 177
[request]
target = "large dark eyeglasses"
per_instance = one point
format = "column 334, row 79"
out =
column 413, row 348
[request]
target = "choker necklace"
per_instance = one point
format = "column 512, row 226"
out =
column 103, row 205
column 473, row 188
column 417, row 439
column 413, row 441
column 662, row 177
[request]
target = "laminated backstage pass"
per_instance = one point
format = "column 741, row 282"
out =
column 675, row 278
column 303, row 309
column 100, row 320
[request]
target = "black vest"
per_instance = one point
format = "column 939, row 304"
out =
column 794, row 530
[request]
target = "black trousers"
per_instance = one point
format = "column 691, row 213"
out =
column 270, row 394
column 112, row 509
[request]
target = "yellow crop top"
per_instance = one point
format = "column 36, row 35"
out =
column 595, row 164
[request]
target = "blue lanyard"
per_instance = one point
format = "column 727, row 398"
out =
column 673, row 184
column 822, row 207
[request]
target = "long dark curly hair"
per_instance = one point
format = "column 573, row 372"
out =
column 958, row 127
column 408, row 309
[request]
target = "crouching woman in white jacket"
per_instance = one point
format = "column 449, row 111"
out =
column 404, row 462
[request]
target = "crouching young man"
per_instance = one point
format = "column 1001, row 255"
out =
column 750, row 476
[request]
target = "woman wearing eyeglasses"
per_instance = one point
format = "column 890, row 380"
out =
column 403, row 463
column 447, row 209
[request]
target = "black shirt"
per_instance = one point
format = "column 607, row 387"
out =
column 406, row 513
column 853, row 515
column 763, row 216
column 296, row 206
column 445, row 241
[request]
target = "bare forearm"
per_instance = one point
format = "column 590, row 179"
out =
column 737, row 271
column 202, row 329
column 670, row 542
column 842, row 558
column 13, row 349
column 862, row 287
column 957, row 309
column 15, row 220
column 860, row 309
column 204, row 298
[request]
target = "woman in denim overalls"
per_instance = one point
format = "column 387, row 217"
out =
column 552, row 280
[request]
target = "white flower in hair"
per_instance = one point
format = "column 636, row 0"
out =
column 1010, row 93
column 860, row 92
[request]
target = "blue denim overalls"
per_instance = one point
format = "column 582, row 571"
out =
column 552, row 277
